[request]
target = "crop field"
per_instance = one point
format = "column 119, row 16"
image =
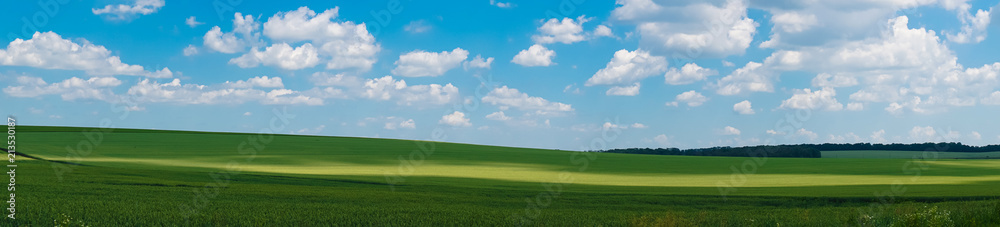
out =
column 104, row 177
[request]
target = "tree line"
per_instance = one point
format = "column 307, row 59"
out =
column 804, row 150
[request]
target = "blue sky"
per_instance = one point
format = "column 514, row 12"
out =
column 550, row 74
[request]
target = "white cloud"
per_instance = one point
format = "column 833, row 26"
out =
column 697, row 29
column 624, row 90
column 387, row 88
column 260, row 81
column 281, row 55
column 328, row 79
column 420, row 63
column 974, row 27
column 825, row 99
column 125, row 12
column 911, row 70
column 346, row 44
column 566, row 31
column 807, row 134
column 690, row 73
column 227, row 42
column 729, row 130
column 190, row 50
column 850, row 137
column 192, row 22
column 417, row 26
column 499, row 116
column 772, row 132
column 510, row 97
column 639, row 125
column 662, row 140
column 822, row 23
column 97, row 88
column 247, row 114
column 750, row 78
column 393, row 123
column 839, row 80
column 147, row 91
column 536, row 55
column 478, row 62
column 603, row 31
column 855, row 106
column 743, row 107
column 310, row 131
column 627, row 67
column 793, row 22
column 923, row 134
column 975, row 135
column 48, row 50
column 692, row 98
column 456, row 119
column 878, row 136
column 501, row 4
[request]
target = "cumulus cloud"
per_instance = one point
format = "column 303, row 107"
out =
column 750, row 78
column 393, row 123
column 624, row 90
column 499, row 116
column 247, row 27
column 536, row 55
column 974, row 26
column 855, row 106
column 387, row 88
column 456, row 119
column 824, row 99
column 420, row 63
column 565, row 31
column 123, row 12
column 793, row 22
column 729, row 130
column 190, row 50
column 923, row 134
column 281, row 55
column 192, row 22
column 344, row 45
column 839, row 80
column 603, row 31
column 688, row 74
column 692, row 98
column 681, row 27
column 339, row 79
column 147, row 91
column 501, row 4
column 478, row 62
column 510, row 97
column 48, row 50
column 662, row 140
column 807, row 134
column 743, row 107
column 96, row 88
column 628, row 67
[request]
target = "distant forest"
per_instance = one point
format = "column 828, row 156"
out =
column 804, row 150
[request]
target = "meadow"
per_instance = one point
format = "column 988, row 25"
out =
column 152, row 178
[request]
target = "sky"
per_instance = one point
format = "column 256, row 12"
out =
column 569, row 74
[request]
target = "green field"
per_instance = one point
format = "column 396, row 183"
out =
column 911, row 154
column 142, row 177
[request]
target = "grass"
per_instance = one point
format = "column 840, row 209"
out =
column 153, row 178
column 911, row 154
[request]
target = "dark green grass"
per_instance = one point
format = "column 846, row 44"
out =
column 105, row 196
